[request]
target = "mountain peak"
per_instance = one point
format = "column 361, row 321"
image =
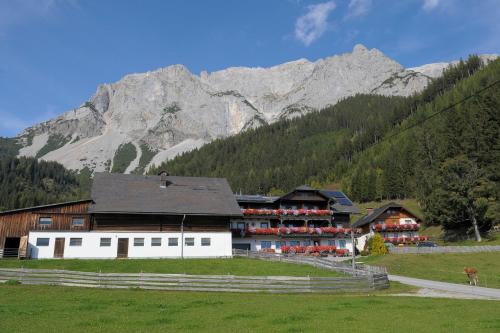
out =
column 146, row 118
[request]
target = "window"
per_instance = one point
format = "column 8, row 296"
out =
column 265, row 244
column 331, row 242
column 45, row 221
column 342, row 243
column 307, row 243
column 155, row 241
column 340, row 226
column 42, row 241
column 173, row 242
column 77, row 221
column 264, row 225
column 279, row 244
column 205, row 242
column 138, row 241
column 105, row 242
column 407, row 221
column 294, row 243
column 189, row 241
column 75, row 242
column 241, row 225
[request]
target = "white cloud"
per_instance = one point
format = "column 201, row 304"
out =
column 314, row 23
column 358, row 8
column 430, row 4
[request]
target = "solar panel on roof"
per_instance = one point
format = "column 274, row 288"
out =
column 344, row 201
column 335, row 194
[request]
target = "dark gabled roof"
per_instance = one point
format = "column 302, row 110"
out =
column 12, row 211
column 369, row 218
column 304, row 188
column 255, row 198
column 139, row 194
column 342, row 203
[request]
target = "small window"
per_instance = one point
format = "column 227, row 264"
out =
column 265, row 244
column 45, row 221
column 189, row 241
column 342, row 243
column 77, row 221
column 307, row 243
column 75, row 242
column 331, row 242
column 42, row 241
column 155, row 241
column 264, row 225
column 138, row 241
column 294, row 243
column 173, row 242
column 205, row 242
column 241, row 225
column 279, row 244
column 105, row 242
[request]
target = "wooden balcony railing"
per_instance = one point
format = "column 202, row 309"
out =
column 284, row 231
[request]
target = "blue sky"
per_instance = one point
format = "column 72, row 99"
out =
column 54, row 53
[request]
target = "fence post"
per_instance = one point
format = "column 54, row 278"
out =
column 99, row 279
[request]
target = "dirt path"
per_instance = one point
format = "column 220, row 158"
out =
column 450, row 290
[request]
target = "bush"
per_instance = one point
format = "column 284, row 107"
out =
column 12, row 282
column 377, row 246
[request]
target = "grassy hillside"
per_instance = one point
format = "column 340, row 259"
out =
column 67, row 309
column 447, row 267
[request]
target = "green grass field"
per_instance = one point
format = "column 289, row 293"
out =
column 235, row 266
column 65, row 309
column 446, row 267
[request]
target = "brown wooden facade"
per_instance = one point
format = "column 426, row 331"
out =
column 146, row 222
column 17, row 223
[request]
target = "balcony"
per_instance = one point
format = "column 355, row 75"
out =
column 296, row 231
column 287, row 212
column 396, row 227
column 405, row 240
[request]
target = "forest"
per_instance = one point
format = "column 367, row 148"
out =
column 28, row 182
column 378, row 147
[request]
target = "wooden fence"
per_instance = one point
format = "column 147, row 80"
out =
column 181, row 282
column 445, row 249
column 323, row 262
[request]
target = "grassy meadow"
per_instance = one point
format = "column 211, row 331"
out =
column 234, row 266
column 447, row 267
column 67, row 309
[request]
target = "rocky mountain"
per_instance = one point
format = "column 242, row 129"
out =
column 146, row 118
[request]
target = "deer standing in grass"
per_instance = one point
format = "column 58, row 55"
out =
column 472, row 275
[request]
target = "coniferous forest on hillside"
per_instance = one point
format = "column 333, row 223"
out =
column 378, row 147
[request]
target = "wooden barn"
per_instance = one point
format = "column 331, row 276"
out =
column 132, row 216
column 15, row 225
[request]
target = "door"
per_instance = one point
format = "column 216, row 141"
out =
column 59, row 248
column 122, row 248
column 11, row 247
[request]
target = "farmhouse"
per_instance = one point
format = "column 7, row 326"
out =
column 137, row 216
column 295, row 222
column 395, row 223
column 132, row 216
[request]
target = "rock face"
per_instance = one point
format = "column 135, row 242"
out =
column 168, row 111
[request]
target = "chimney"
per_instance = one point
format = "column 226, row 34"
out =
column 369, row 210
column 163, row 179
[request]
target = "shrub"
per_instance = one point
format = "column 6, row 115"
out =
column 12, row 282
column 377, row 246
